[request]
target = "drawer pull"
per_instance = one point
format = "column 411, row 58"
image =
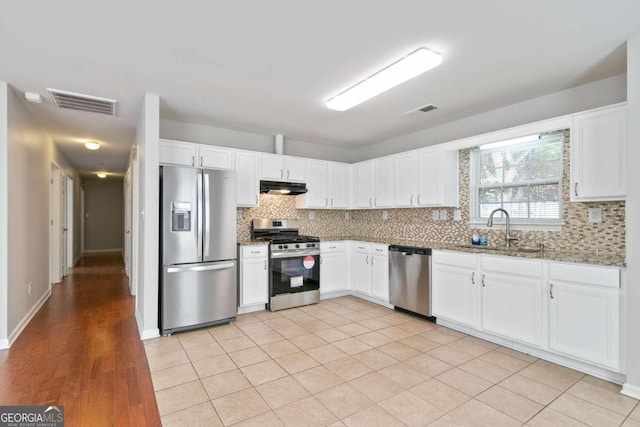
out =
column 551, row 291
column 473, row 278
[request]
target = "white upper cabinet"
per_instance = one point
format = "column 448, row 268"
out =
column 277, row 167
column 177, row 153
column 383, row 182
column 599, row 155
column 327, row 185
column 215, row 157
column 363, row 185
column 437, row 177
column 247, row 178
column 405, row 179
column 198, row 155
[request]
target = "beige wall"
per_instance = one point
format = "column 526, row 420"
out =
column 104, row 214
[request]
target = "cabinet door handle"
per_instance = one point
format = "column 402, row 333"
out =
column 375, row 201
column 473, row 278
column 201, row 161
column 575, row 189
column 332, row 247
column 256, row 199
column 418, row 199
column 326, row 201
column 370, row 203
column 411, row 201
column 332, row 202
column 483, row 281
column 265, row 264
column 193, row 160
column 288, row 173
column 551, row 291
column 281, row 173
column 372, row 260
column 255, row 252
column 367, row 259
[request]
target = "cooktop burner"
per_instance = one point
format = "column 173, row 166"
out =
column 279, row 231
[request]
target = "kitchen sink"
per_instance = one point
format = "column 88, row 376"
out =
column 501, row 249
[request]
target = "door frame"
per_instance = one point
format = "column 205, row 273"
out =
column 56, row 207
column 69, row 215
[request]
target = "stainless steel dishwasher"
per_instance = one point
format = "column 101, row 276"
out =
column 410, row 279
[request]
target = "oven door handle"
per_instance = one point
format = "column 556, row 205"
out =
column 295, row 254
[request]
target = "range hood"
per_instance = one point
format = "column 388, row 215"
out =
column 283, row 188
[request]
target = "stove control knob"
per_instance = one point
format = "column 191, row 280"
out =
column 279, row 246
column 310, row 245
column 297, row 246
column 286, row 246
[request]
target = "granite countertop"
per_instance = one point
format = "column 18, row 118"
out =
column 608, row 259
column 252, row 242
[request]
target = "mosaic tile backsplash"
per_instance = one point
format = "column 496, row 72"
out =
column 577, row 233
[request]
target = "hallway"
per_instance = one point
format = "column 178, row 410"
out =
column 82, row 351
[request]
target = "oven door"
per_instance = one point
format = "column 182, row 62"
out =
column 293, row 273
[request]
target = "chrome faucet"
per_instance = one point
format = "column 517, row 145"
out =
column 507, row 237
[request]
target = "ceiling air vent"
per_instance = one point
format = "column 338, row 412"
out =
column 423, row 109
column 80, row 102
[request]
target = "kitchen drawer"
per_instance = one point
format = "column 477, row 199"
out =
column 362, row 248
column 456, row 259
column 328, row 247
column 588, row 274
column 257, row 251
column 381, row 250
column 520, row 267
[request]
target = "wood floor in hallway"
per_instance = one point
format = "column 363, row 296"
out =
column 82, row 350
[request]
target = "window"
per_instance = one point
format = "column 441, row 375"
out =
column 522, row 176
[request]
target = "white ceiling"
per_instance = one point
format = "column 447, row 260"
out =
column 269, row 66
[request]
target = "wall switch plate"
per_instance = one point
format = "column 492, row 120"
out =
column 595, row 215
column 238, row 213
column 347, row 216
column 435, row 215
column 457, row 215
column 444, row 215
column 385, row 215
column 312, row 214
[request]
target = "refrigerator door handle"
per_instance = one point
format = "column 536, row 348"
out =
column 199, row 221
column 207, row 211
column 222, row 266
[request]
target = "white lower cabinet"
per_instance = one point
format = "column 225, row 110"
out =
column 370, row 270
column 455, row 287
column 512, row 298
column 334, row 267
column 519, row 299
column 254, row 275
column 584, row 313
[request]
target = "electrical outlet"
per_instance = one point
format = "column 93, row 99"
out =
column 457, row 215
column 238, row 213
column 435, row 215
column 385, row 215
column 312, row 214
column 595, row 215
column 444, row 215
column 29, row 288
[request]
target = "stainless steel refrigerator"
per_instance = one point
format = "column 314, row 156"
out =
column 198, row 248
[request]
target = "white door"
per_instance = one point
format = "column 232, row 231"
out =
column 255, row 283
column 455, row 294
column 177, row 153
column 429, row 177
column 317, row 184
column 295, row 169
column 404, row 166
column 584, row 323
column 380, row 277
column 512, row 307
column 69, row 215
column 339, row 185
column 364, row 184
column 216, row 157
column 127, row 223
column 56, row 257
column 383, row 182
column 247, row 179
column 333, row 272
column 362, row 272
column 272, row 167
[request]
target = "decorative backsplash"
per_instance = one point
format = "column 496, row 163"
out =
column 577, row 233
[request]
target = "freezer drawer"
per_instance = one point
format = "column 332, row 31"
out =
column 197, row 295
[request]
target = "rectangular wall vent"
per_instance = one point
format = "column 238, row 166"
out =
column 80, row 102
column 423, row 109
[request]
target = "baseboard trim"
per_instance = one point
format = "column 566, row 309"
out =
column 4, row 344
column 371, row 299
column 252, row 308
column 335, row 294
column 27, row 318
column 631, row 390
column 97, row 251
column 150, row 333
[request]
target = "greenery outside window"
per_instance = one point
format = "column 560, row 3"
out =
column 522, row 176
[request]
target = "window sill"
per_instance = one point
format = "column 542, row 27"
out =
column 481, row 223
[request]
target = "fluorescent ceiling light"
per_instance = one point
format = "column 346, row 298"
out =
column 400, row 71
column 102, row 174
column 91, row 145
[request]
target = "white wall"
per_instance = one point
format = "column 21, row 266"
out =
column 147, row 135
column 596, row 94
column 28, row 151
column 210, row 135
column 632, row 386
column 104, row 214
column 4, row 241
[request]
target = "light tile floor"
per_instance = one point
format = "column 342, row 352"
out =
column 350, row 362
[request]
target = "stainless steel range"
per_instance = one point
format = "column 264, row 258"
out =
column 294, row 263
